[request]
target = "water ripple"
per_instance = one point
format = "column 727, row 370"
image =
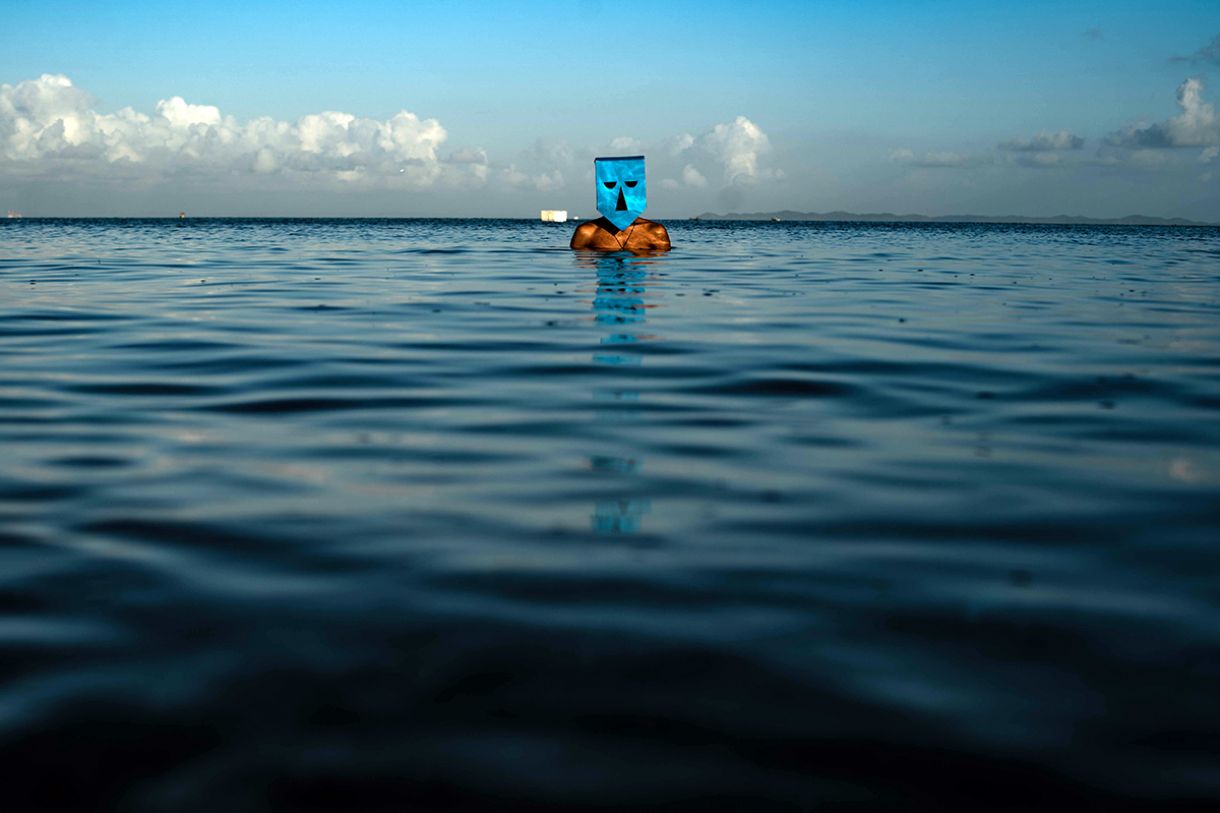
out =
column 438, row 514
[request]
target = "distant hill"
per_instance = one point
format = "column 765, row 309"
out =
column 889, row 217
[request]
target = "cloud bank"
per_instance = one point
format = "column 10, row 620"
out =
column 50, row 130
column 1142, row 146
column 48, row 124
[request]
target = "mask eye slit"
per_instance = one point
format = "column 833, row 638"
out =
column 610, row 184
column 630, row 184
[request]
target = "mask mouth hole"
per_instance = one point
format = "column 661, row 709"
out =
column 622, row 203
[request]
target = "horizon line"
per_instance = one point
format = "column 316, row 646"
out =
column 799, row 217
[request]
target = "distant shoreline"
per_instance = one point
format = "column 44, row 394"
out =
column 889, row 217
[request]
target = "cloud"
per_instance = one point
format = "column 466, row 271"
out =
column 511, row 177
column 942, row 159
column 731, row 158
column 1140, row 147
column 1196, row 126
column 1046, row 149
column 1208, row 54
column 180, row 114
column 52, row 130
column 468, row 155
column 47, row 125
column 1138, row 159
column 625, row 144
column 548, row 181
column 737, row 146
column 693, row 177
column 678, row 144
column 1043, row 142
column 547, row 153
column 730, row 153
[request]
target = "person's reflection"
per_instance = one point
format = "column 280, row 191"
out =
column 620, row 308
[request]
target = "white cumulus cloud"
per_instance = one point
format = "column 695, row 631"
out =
column 624, row 144
column 1196, row 126
column 678, row 144
column 734, row 151
column 52, row 129
column 50, row 125
column 692, row 177
column 737, row 145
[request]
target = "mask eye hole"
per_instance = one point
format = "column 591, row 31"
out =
column 630, row 184
column 610, row 184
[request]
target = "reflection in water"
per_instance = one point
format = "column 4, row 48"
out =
column 619, row 306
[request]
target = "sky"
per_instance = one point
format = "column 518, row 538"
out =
column 465, row 109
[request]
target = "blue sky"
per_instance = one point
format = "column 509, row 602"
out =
column 861, row 106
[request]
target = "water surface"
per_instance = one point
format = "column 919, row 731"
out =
column 438, row 514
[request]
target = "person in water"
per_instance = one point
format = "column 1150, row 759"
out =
column 621, row 198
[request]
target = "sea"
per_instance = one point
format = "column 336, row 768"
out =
column 440, row 515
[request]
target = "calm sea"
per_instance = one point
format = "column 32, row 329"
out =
column 413, row 515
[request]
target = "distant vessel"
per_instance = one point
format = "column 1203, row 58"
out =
column 13, row 214
column 554, row 216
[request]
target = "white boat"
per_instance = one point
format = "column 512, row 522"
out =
column 554, row 215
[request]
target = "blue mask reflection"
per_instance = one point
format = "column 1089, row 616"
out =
column 620, row 307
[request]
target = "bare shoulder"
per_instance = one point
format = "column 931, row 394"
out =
column 584, row 235
column 655, row 233
column 653, row 228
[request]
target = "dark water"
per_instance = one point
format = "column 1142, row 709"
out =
column 414, row 515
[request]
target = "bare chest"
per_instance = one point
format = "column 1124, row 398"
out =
column 635, row 237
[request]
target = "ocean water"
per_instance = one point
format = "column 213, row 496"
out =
column 413, row 515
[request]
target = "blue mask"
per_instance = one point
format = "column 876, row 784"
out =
column 621, row 191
